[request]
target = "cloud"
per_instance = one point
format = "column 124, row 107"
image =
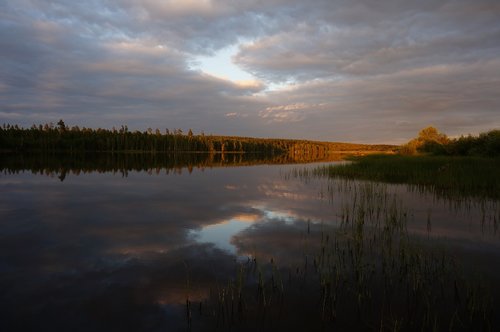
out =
column 335, row 70
column 380, row 44
column 288, row 113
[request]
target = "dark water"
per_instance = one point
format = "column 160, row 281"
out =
column 101, row 251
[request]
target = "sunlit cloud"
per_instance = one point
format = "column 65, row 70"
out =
column 289, row 113
column 250, row 84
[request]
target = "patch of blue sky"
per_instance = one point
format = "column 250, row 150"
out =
column 221, row 65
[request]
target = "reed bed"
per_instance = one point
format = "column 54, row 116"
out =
column 451, row 177
column 367, row 273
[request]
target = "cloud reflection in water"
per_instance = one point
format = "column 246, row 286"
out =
column 101, row 252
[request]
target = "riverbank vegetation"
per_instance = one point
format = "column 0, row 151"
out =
column 431, row 141
column 443, row 175
column 466, row 166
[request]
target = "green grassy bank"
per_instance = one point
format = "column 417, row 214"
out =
column 444, row 175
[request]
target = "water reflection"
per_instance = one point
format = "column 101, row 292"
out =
column 221, row 234
column 102, row 252
column 64, row 164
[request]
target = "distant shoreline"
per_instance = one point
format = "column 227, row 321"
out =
column 60, row 138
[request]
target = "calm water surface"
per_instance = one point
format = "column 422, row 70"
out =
column 105, row 252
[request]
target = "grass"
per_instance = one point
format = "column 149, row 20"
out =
column 442, row 175
column 364, row 270
column 366, row 273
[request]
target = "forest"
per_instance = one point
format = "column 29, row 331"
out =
column 60, row 138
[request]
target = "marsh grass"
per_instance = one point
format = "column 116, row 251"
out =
column 450, row 177
column 366, row 274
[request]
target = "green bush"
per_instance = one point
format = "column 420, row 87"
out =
column 430, row 141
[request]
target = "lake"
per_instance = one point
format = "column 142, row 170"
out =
column 161, row 247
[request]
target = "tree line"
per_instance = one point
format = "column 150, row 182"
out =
column 50, row 138
column 431, row 141
column 61, row 138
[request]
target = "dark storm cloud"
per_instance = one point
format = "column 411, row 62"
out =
column 361, row 70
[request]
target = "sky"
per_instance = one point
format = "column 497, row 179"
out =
column 336, row 70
